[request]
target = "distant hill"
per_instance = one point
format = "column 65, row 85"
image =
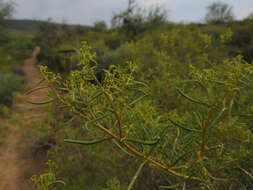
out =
column 30, row 26
column 27, row 26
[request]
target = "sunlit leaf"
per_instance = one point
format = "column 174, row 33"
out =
column 92, row 142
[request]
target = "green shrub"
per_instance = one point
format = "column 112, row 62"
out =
column 4, row 111
column 199, row 104
column 9, row 84
column 204, row 142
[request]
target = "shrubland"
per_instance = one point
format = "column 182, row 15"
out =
column 149, row 104
column 175, row 103
column 146, row 104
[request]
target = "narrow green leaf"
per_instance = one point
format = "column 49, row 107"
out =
column 151, row 142
column 41, row 103
column 63, row 89
column 169, row 187
column 197, row 117
column 190, row 98
column 95, row 96
column 245, row 83
column 58, row 182
column 69, row 121
column 131, row 185
column 35, row 89
column 137, row 100
column 198, row 82
column 175, row 142
column 81, row 142
column 95, row 120
column 217, row 117
column 246, row 172
column 109, row 96
column 122, row 148
column 181, row 126
column 181, row 157
column 141, row 83
column 219, row 82
column 212, row 177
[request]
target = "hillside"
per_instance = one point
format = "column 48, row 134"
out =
column 31, row 26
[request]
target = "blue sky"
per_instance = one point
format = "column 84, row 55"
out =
column 89, row 11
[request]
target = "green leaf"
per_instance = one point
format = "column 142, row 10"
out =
column 182, row 127
column 181, row 157
column 197, row 117
column 64, row 89
column 141, row 83
column 58, row 182
column 122, row 148
column 81, row 142
column 247, row 173
column 190, row 98
column 137, row 100
column 217, row 117
column 130, row 186
column 41, row 103
column 95, row 120
column 219, row 82
column 151, row 142
column 95, row 96
column 35, row 89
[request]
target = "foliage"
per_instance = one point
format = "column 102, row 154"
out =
column 13, row 50
column 134, row 21
column 250, row 17
column 113, row 184
column 219, row 12
column 48, row 35
column 48, row 38
column 52, row 39
column 6, row 9
column 47, row 180
column 202, row 142
column 156, row 17
column 9, row 84
column 199, row 92
column 100, row 26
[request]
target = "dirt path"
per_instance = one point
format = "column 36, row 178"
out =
column 14, row 163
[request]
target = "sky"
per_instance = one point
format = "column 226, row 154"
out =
column 86, row 12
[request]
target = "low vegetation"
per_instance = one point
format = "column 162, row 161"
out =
column 177, row 110
column 14, row 49
column 145, row 104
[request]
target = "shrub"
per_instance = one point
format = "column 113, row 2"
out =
column 9, row 84
column 219, row 12
column 203, row 143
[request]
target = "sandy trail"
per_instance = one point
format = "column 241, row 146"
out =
column 14, row 164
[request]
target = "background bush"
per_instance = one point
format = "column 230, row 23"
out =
column 9, row 84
